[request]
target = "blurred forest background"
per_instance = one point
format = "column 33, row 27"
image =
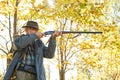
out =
column 78, row 56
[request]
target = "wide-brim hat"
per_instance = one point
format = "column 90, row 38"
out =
column 31, row 24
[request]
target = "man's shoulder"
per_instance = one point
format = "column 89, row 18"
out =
column 20, row 35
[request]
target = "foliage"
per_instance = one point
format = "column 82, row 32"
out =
column 1, row 76
column 94, row 56
column 99, row 54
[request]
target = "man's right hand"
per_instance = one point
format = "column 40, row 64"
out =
column 39, row 34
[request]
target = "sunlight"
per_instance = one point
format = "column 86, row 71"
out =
column 2, row 63
column 51, row 3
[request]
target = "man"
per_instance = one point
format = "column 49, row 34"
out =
column 27, row 63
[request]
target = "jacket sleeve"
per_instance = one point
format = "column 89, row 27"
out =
column 48, row 52
column 23, row 41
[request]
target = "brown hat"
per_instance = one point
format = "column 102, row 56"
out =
column 32, row 24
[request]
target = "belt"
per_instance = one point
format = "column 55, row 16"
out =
column 27, row 68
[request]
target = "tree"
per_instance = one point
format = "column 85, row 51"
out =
column 75, row 12
column 81, row 15
column 5, row 5
column 12, row 13
column 66, row 49
column 102, row 59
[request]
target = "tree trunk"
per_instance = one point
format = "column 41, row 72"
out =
column 62, row 74
column 15, row 19
column 14, row 32
column 62, row 69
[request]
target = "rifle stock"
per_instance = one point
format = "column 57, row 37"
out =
column 74, row 32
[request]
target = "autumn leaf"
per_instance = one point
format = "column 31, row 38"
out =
column 59, row 66
column 9, row 56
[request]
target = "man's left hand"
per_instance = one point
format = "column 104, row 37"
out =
column 56, row 34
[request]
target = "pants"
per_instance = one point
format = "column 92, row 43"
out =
column 21, row 75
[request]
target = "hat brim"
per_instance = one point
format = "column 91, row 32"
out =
column 29, row 26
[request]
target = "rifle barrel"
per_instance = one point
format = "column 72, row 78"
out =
column 81, row 32
column 68, row 32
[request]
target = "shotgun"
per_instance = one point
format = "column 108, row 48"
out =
column 74, row 32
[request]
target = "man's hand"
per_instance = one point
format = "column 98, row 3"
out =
column 56, row 34
column 39, row 34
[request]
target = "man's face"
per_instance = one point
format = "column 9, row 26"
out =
column 30, row 30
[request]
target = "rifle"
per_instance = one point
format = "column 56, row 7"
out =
column 74, row 32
